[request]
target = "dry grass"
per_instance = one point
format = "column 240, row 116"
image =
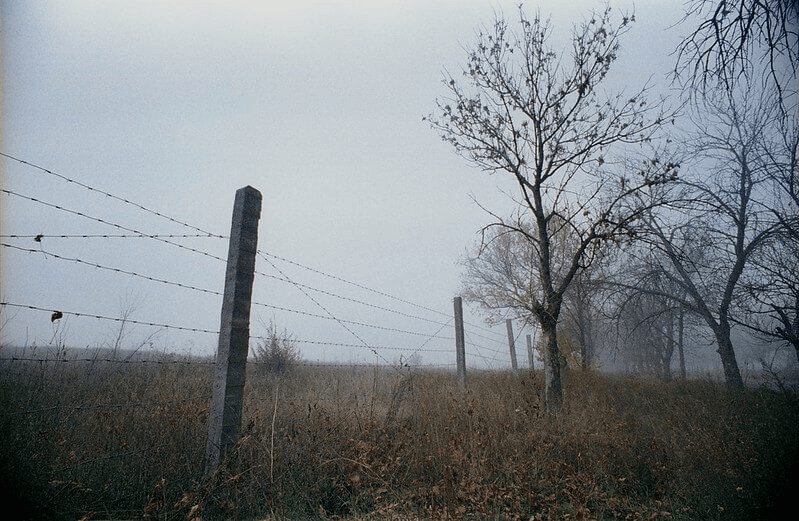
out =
column 128, row 440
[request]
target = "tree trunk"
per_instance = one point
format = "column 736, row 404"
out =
column 586, row 342
column 680, row 345
column 553, row 387
column 732, row 374
column 669, row 351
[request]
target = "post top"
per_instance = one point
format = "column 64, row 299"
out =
column 250, row 191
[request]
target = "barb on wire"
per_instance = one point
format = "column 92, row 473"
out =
column 107, row 194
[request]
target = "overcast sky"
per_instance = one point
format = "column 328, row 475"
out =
column 319, row 105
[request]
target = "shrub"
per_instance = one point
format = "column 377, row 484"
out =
column 277, row 352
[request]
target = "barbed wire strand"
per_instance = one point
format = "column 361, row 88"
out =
column 361, row 286
column 115, row 225
column 356, row 301
column 107, row 194
column 204, row 290
column 113, row 319
column 38, row 237
column 340, row 322
column 115, row 270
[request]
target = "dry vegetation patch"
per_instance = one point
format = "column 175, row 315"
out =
column 127, row 441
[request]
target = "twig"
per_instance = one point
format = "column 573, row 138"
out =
column 272, row 441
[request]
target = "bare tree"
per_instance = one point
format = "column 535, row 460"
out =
column 582, row 316
column 726, row 215
column 772, row 307
column 539, row 116
column 643, row 305
column 775, row 290
column 733, row 39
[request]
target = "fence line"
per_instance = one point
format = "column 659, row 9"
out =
column 329, row 313
column 304, row 288
column 356, row 301
column 203, row 232
column 218, row 293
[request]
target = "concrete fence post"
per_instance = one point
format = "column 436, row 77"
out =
column 460, row 345
column 234, row 332
column 530, row 354
column 512, row 346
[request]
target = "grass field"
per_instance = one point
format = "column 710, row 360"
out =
column 110, row 440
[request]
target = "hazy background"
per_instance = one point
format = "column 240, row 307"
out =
column 175, row 105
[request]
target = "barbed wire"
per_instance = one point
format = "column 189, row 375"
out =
column 38, row 237
column 115, row 270
column 361, row 286
column 115, row 225
column 164, row 238
column 365, row 366
column 479, row 354
column 143, row 361
column 263, row 254
column 107, row 194
column 340, row 322
column 356, row 301
column 434, row 335
column 204, row 290
column 341, row 344
column 112, row 319
column 480, row 346
column 211, row 292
